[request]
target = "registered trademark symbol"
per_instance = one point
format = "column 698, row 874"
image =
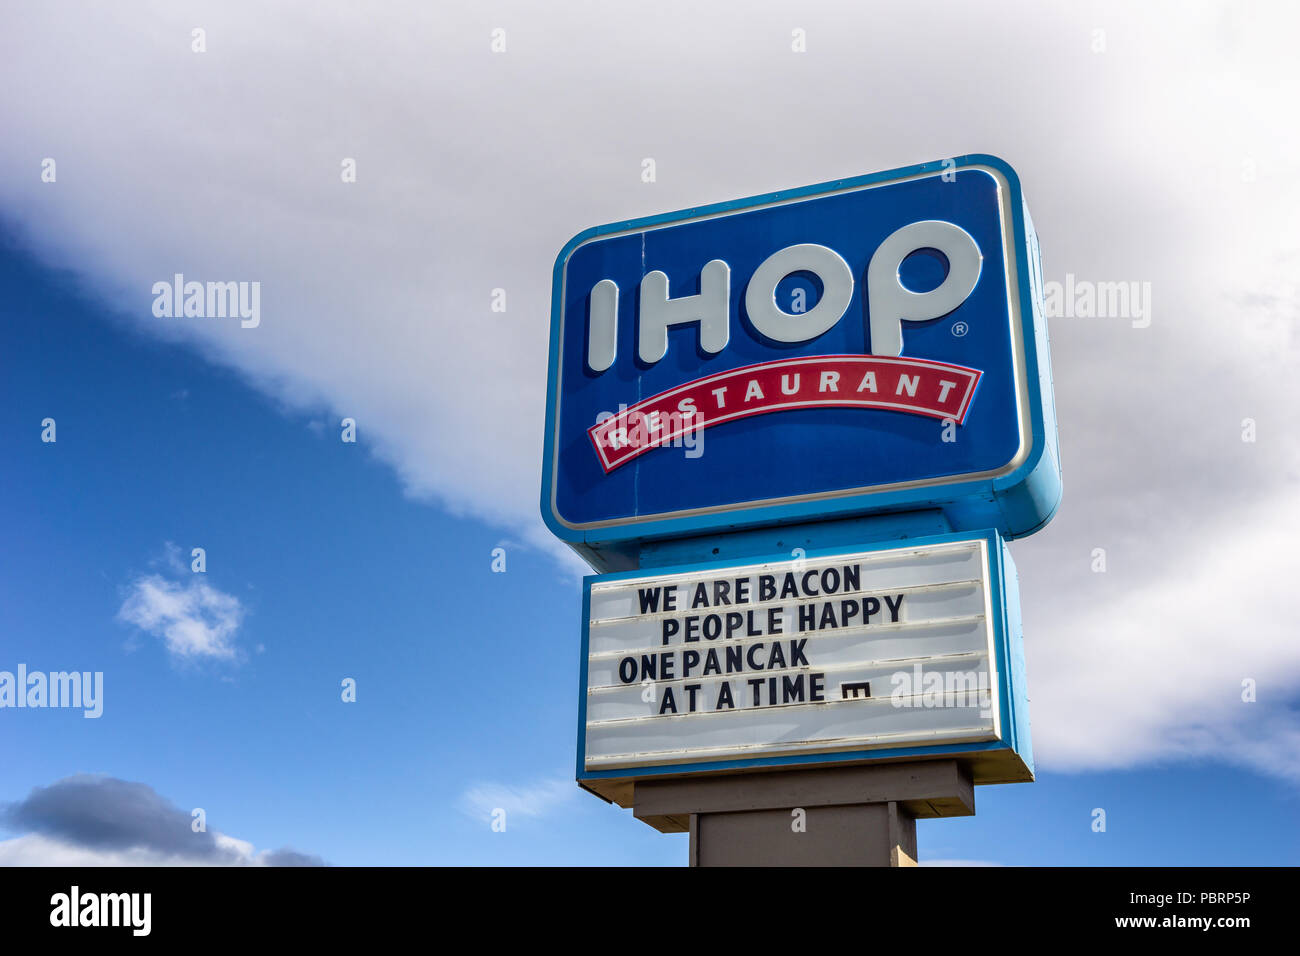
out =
column 960, row 328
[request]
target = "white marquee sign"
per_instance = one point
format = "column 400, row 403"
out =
column 851, row 652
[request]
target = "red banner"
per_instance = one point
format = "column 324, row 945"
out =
column 917, row 387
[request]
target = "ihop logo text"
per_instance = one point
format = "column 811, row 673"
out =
column 881, row 380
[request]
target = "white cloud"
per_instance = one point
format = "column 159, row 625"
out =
column 194, row 620
column 535, row 800
column 172, row 557
column 1127, row 675
column 1161, row 159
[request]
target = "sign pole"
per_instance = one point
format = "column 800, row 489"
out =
column 847, row 816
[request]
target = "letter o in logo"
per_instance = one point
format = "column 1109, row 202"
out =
column 781, row 326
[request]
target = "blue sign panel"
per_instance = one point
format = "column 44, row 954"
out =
column 863, row 346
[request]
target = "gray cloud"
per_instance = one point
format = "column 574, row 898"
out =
column 110, row 814
column 106, row 815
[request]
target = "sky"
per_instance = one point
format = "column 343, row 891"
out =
column 1152, row 143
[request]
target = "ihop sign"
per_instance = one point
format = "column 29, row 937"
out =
column 869, row 345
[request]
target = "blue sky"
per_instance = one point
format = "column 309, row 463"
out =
column 466, row 678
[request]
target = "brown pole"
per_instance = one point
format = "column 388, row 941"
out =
column 842, row 816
